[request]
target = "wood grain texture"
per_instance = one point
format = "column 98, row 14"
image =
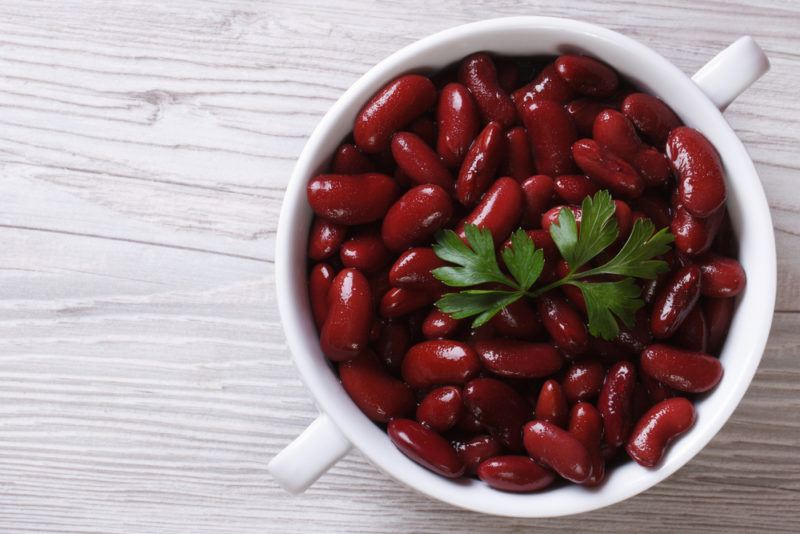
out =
column 144, row 379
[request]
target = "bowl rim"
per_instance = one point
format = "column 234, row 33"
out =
column 294, row 312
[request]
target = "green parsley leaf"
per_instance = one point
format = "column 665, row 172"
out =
column 598, row 230
column 483, row 303
column 635, row 257
column 478, row 262
column 605, row 300
column 523, row 260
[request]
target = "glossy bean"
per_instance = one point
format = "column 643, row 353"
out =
column 675, row 301
column 615, row 403
column 499, row 210
column 657, row 428
column 345, row 333
column 419, row 162
column 651, row 116
column 537, row 194
column 586, row 75
column 440, row 409
column 399, row 301
column 436, row 362
column 656, row 208
column 499, row 408
column 582, row 381
column 701, row 182
column 551, row 405
column 547, row 85
column 564, row 324
column 319, row 282
column 425, row 128
column 378, row 394
column 459, row 123
column 720, row 277
column 551, row 133
column 586, row 424
column 365, row 251
column 718, row 312
column 413, row 270
column 416, row 216
column 439, row 325
column 480, row 164
column 519, row 359
column 551, row 216
column 694, row 235
column 607, row 170
column 393, row 107
column 583, row 112
column 518, row 162
column 693, row 333
column 324, row 238
column 518, row 320
column 573, row 188
column 558, row 449
column 352, row 198
column 348, row 159
column 392, row 343
column 517, row 474
column 425, row 447
column 683, row 370
column 479, row 74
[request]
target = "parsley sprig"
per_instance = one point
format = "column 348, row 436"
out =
column 475, row 264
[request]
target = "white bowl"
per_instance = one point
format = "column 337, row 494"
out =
column 697, row 101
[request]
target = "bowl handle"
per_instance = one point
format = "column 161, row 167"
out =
column 732, row 71
column 305, row 459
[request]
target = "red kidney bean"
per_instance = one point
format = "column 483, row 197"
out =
column 348, row 159
column 606, row 169
column 478, row 73
column 319, row 282
column 477, row 449
column 572, row 293
column 399, row 301
column 395, row 106
column 412, row 270
column 479, row 165
column 624, row 217
column 469, row 425
column 656, row 391
column 416, row 216
column 586, row 424
column 345, row 333
column 440, row 409
column 379, row 395
column 551, row 133
column 352, row 198
column 635, row 339
column 325, row 238
column 573, row 188
column 614, row 132
column 551, row 216
column 657, row 428
column 609, row 352
column 499, row 408
column 519, row 359
column 548, row 85
column 517, row 474
column 650, row 116
column 587, row 76
column 694, row 235
column 518, row 320
column 583, row 112
column 582, row 381
column 392, row 344
column 693, row 333
column 537, row 194
column 439, row 325
column 365, row 251
column 499, row 211
column 564, row 324
column 692, row 372
column 615, row 403
column 558, row 449
column 656, row 208
column 640, row 402
column 425, row 447
column 379, row 286
column 441, row 361
column 425, row 128
column 507, row 74
column 701, row 183
column 458, row 121
column 518, row 162
column 674, row 302
column 551, row 406
column 419, row 162
column 720, row 276
column 719, row 313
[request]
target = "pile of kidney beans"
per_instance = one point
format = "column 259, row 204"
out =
column 530, row 396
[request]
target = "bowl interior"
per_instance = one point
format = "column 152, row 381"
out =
column 653, row 74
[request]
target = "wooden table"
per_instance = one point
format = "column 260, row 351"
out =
column 144, row 378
